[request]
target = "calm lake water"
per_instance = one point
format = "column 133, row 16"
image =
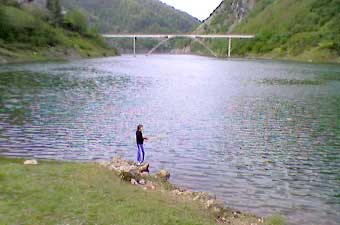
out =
column 263, row 136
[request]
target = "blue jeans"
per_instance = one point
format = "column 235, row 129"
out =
column 140, row 153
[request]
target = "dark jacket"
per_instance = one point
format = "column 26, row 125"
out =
column 139, row 138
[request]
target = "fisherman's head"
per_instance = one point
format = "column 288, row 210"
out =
column 140, row 127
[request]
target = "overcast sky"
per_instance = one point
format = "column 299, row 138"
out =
column 200, row 9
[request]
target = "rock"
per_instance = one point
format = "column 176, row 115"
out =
column 144, row 168
column 187, row 193
column 126, row 176
column 213, row 203
column 150, row 186
column 176, row 192
column 236, row 214
column 196, row 198
column 142, row 182
column 217, row 209
column 133, row 182
column 209, row 203
column 164, row 175
column 31, row 162
column 144, row 174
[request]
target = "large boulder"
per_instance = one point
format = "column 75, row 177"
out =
column 119, row 164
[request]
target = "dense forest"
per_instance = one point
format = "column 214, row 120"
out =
column 139, row 16
column 30, row 32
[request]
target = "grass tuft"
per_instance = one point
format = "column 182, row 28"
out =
column 276, row 220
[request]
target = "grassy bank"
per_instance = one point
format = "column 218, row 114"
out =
column 86, row 193
column 69, row 193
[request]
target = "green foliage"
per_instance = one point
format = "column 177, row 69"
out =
column 306, row 29
column 18, row 26
column 76, row 20
column 55, row 11
column 26, row 36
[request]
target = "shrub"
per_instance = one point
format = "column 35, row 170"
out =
column 75, row 20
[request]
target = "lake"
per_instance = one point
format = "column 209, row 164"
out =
column 264, row 136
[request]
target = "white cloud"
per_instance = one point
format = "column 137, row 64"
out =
column 197, row 8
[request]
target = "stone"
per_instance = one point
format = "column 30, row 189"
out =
column 164, row 175
column 133, row 182
column 196, row 198
column 144, row 168
column 31, row 162
column 126, row 176
column 187, row 193
column 150, row 186
column 142, row 182
column 209, row 203
column 213, row 203
column 176, row 192
column 236, row 214
column 217, row 209
column 144, row 174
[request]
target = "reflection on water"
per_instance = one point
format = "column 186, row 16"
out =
column 264, row 136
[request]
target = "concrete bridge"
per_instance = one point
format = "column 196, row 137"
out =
column 166, row 37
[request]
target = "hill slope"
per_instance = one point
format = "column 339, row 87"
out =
column 138, row 16
column 29, row 33
column 290, row 29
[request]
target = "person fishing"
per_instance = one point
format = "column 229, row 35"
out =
column 140, row 144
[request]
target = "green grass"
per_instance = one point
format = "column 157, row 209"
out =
column 276, row 220
column 70, row 193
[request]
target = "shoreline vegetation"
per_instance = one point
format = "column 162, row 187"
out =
column 113, row 192
column 29, row 33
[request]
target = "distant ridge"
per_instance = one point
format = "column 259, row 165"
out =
column 134, row 16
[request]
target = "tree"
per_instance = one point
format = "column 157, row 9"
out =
column 55, row 11
column 76, row 20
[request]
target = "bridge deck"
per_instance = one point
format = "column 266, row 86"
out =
column 178, row 35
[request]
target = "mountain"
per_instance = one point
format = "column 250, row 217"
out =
column 134, row 16
column 306, row 30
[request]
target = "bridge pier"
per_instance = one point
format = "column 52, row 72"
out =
column 134, row 46
column 229, row 48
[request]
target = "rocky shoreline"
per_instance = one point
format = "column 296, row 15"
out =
column 139, row 176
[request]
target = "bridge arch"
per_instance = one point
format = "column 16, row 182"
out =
column 167, row 37
column 162, row 42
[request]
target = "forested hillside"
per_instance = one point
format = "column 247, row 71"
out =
column 303, row 30
column 31, row 32
column 138, row 16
